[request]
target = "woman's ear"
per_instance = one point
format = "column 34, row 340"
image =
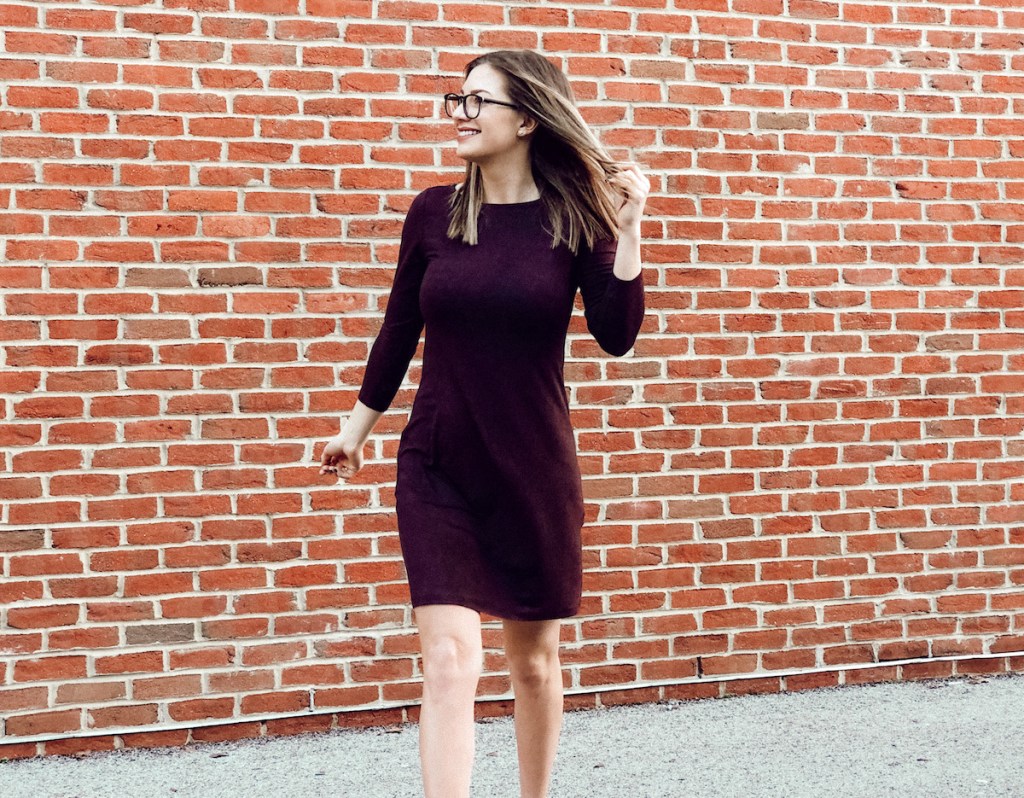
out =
column 527, row 126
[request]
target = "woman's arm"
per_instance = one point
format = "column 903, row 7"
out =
column 360, row 422
column 389, row 356
column 399, row 334
column 627, row 254
column 613, row 305
column 609, row 272
column 343, row 454
column 634, row 186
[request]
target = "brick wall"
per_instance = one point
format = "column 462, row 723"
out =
column 809, row 470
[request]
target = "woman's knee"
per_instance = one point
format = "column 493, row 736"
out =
column 451, row 664
column 451, row 646
column 536, row 671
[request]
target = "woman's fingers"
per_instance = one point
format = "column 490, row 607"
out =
column 329, row 460
column 340, row 464
column 633, row 189
column 638, row 177
column 633, row 185
column 632, row 177
column 346, row 470
column 631, row 171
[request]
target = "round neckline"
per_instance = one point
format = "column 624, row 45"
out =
column 508, row 204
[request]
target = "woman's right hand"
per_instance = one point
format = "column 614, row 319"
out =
column 342, row 456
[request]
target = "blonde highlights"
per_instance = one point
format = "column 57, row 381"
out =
column 569, row 164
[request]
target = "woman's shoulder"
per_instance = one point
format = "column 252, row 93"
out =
column 435, row 195
column 429, row 205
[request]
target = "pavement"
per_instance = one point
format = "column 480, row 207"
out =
column 954, row 738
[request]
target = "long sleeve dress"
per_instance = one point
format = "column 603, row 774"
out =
column 488, row 495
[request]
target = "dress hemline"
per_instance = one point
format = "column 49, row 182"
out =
column 490, row 609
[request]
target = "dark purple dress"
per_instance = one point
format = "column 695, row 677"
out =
column 488, row 495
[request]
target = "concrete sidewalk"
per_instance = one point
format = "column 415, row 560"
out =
column 958, row 738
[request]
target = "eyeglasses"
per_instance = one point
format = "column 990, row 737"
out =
column 471, row 102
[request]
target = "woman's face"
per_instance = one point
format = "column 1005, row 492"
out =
column 498, row 129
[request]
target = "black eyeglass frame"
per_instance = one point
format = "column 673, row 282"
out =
column 460, row 99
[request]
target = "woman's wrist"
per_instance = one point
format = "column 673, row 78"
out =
column 351, row 437
column 359, row 424
column 627, row 255
column 630, row 230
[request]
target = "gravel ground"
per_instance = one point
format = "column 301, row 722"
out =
column 958, row 738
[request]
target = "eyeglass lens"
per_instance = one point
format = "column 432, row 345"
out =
column 471, row 102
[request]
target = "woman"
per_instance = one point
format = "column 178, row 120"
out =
column 488, row 495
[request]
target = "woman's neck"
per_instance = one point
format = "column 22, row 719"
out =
column 506, row 184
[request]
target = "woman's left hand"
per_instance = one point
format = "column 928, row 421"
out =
column 634, row 187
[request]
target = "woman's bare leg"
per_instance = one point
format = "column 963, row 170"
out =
column 452, row 658
column 532, row 650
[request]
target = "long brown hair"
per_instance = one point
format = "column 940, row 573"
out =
column 569, row 165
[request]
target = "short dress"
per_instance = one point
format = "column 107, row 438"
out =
column 488, row 496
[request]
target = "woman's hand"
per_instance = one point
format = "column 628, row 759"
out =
column 634, row 187
column 341, row 457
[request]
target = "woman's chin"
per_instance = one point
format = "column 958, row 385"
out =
column 468, row 157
